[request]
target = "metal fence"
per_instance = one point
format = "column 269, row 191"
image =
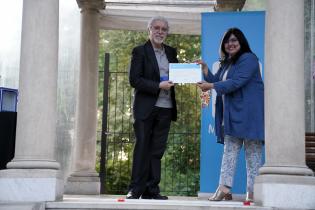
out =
column 180, row 163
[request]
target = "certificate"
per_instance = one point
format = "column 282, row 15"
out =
column 185, row 72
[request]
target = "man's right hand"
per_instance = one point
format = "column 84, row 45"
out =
column 166, row 85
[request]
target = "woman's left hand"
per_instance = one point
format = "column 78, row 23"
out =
column 205, row 86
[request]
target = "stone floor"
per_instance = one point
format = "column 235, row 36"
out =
column 109, row 202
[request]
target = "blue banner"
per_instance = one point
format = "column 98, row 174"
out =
column 214, row 25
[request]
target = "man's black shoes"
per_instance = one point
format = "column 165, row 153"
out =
column 132, row 195
column 155, row 197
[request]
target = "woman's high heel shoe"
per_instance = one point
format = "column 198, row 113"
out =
column 219, row 195
column 249, row 197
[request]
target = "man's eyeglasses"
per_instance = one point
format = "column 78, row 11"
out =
column 159, row 29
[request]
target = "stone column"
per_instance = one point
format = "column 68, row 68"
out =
column 84, row 179
column 285, row 181
column 33, row 174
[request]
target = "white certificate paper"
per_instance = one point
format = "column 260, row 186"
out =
column 185, row 73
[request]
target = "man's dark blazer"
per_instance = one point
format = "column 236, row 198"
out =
column 144, row 76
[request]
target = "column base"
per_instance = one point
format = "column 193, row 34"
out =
column 22, row 206
column 30, row 185
column 285, row 191
column 83, row 183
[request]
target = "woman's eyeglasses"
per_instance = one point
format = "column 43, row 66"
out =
column 232, row 40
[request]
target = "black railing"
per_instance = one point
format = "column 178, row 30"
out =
column 180, row 164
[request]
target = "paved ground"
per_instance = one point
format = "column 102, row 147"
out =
column 119, row 202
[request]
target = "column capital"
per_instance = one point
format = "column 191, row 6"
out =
column 91, row 4
column 229, row 5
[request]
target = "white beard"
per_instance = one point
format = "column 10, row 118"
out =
column 158, row 40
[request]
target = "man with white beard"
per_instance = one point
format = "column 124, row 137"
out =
column 154, row 107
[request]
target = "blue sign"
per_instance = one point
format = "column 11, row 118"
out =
column 214, row 25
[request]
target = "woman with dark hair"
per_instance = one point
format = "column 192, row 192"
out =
column 239, row 110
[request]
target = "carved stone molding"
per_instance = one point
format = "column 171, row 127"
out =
column 229, row 5
column 184, row 16
column 91, row 4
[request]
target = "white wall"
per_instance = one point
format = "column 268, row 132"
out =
column 10, row 41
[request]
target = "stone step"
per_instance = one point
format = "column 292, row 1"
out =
column 119, row 203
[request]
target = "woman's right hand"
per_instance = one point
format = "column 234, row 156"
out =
column 204, row 67
column 205, row 86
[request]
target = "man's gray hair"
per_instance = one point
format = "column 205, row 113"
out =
column 158, row 18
